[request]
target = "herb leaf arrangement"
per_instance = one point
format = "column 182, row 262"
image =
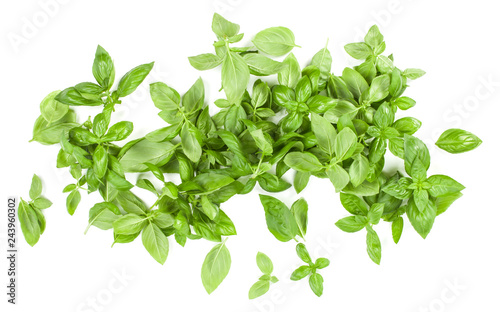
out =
column 318, row 124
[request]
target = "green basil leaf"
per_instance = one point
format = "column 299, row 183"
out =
column 41, row 203
column 164, row 97
column 100, row 159
column 338, row 176
column 144, row 151
column 305, row 162
column 354, row 81
column 260, row 65
column 194, row 98
column 258, row 289
column 36, row 187
column 358, row 171
column 103, row 68
column 415, row 148
column 421, row 221
column 300, row 273
column 408, row 125
column 316, row 284
column 442, row 185
column 404, row 102
column 300, row 181
column 275, row 41
column 374, row 38
column 205, row 61
column 345, row 144
column 290, row 74
column 102, row 216
column 72, row 201
column 397, row 229
column 155, row 242
column 215, row 267
column 264, row 263
column 299, row 211
column 379, row 89
column 71, row 96
column 224, row 28
column 129, row 224
column 51, row 109
column 413, row 73
column 119, row 131
column 352, row 224
column 353, row 204
column 280, row 220
column 373, row 246
column 303, row 253
column 272, row 183
column 190, row 138
column 359, row 51
column 325, row 133
column 375, row 213
column 29, row 223
column 132, row 79
column 131, row 203
column 235, row 76
column 457, row 141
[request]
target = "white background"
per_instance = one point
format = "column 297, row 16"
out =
column 456, row 42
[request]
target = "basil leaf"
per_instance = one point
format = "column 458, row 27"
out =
column 258, row 289
column 379, row 89
column 305, row 162
column 224, row 28
column 354, row 82
column 415, row 148
column 71, row 96
column 290, row 74
column 300, row 181
column 408, row 125
column 325, row 133
column 36, row 187
column 353, row 204
column 72, row 201
column 345, row 144
column 374, row 38
column 413, row 73
column 358, row 171
column 164, row 97
column 352, row 224
column 300, row 273
column 260, row 65
column 272, row 183
column 397, row 229
column 421, row 221
column 359, row 51
column 190, row 138
column 119, row 131
column 155, row 242
column 375, row 213
column 215, row 267
column 299, row 211
column 132, row 79
column 129, row 224
column 338, row 176
column 51, row 109
column 194, row 98
column 275, row 41
column 29, row 223
column 373, row 246
column 102, row 216
column 316, row 284
column 131, row 203
column 103, row 68
column 264, row 263
column 457, row 141
column 442, row 185
column 280, row 220
column 205, row 61
column 235, row 77
column 100, row 159
column 303, row 253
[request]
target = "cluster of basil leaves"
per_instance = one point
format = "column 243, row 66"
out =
column 312, row 121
